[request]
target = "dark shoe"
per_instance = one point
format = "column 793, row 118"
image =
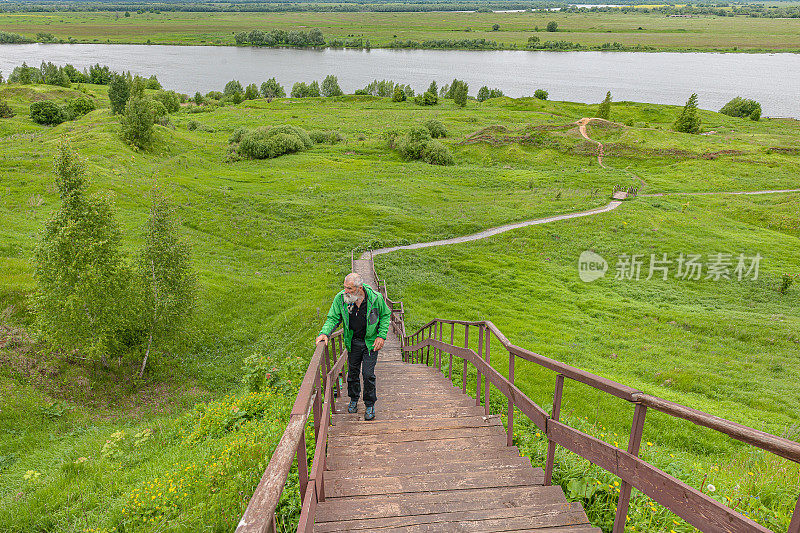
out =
column 369, row 414
column 353, row 407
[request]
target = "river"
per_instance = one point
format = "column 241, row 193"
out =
column 664, row 77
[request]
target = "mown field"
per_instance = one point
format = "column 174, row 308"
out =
column 658, row 31
column 87, row 449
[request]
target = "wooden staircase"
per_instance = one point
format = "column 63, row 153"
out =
column 431, row 461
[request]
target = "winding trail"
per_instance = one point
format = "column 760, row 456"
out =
column 582, row 123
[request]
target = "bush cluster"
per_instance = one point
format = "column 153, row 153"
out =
column 266, row 143
column 742, row 107
column 418, row 144
column 330, row 137
column 485, row 93
column 5, row 110
column 50, row 113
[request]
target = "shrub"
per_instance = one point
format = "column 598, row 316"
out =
column 137, row 122
column 436, row 153
column 413, row 143
column 541, row 94
column 251, row 92
column 533, row 41
column 552, row 26
column 330, row 137
column 688, row 121
column 426, row 98
column 199, row 98
column 742, row 107
column 77, row 107
column 5, row 110
column 214, row 95
column 153, row 83
column 192, row 125
column 169, row 99
column 436, row 128
column 232, row 88
column 264, row 143
column 313, row 89
column 237, row 135
column 460, row 89
column 119, row 90
column 495, row 27
column 272, row 89
column 158, row 110
column 604, row 110
column 299, row 90
column 330, row 86
column 399, row 94
column 47, row 112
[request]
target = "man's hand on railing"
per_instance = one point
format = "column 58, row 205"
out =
column 322, row 338
column 378, row 344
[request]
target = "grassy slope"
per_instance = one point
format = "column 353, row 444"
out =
column 271, row 241
column 663, row 33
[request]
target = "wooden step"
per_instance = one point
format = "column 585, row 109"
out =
column 404, row 504
column 566, row 516
column 410, row 466
column 426, row 482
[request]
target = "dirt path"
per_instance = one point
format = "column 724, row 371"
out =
column 582, row 123
column 494, row 231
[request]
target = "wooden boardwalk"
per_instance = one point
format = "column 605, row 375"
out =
column 431, row 461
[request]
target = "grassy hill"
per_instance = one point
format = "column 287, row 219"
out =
column 83, row 448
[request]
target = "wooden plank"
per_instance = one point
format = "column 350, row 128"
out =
column 337, row 509
column 404, row 425
column 496, row 519
column 346, row 441
column 420, row 447
column 410, row 466
column 415, row 414
column 425, row 482
column 356, row 461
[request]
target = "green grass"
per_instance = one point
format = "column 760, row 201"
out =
column 589, row 29
column 271, row 241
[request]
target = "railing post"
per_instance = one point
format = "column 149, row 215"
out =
column 510, row 414
column 428, row 351
column 551, row 445
column 452, row 338
column 480, row 356
column 317, row 405
column 794, row 525
column 486, row 391
column 302, row 465
column 634, row 442
column 440, row 350
column 464, row 362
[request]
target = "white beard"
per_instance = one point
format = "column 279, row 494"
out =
column 350, row 299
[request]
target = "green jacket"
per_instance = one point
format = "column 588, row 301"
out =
column 378, row 317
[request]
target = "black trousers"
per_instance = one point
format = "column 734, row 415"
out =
column 361, row 359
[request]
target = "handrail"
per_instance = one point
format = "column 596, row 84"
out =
column 786, row 448
column 692, row 505
column 312, row 396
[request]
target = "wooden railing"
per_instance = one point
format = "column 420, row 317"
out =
column 316, row 394
column 696, row 508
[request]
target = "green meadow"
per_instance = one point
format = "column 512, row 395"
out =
column 84, row 448
column 655, row 30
